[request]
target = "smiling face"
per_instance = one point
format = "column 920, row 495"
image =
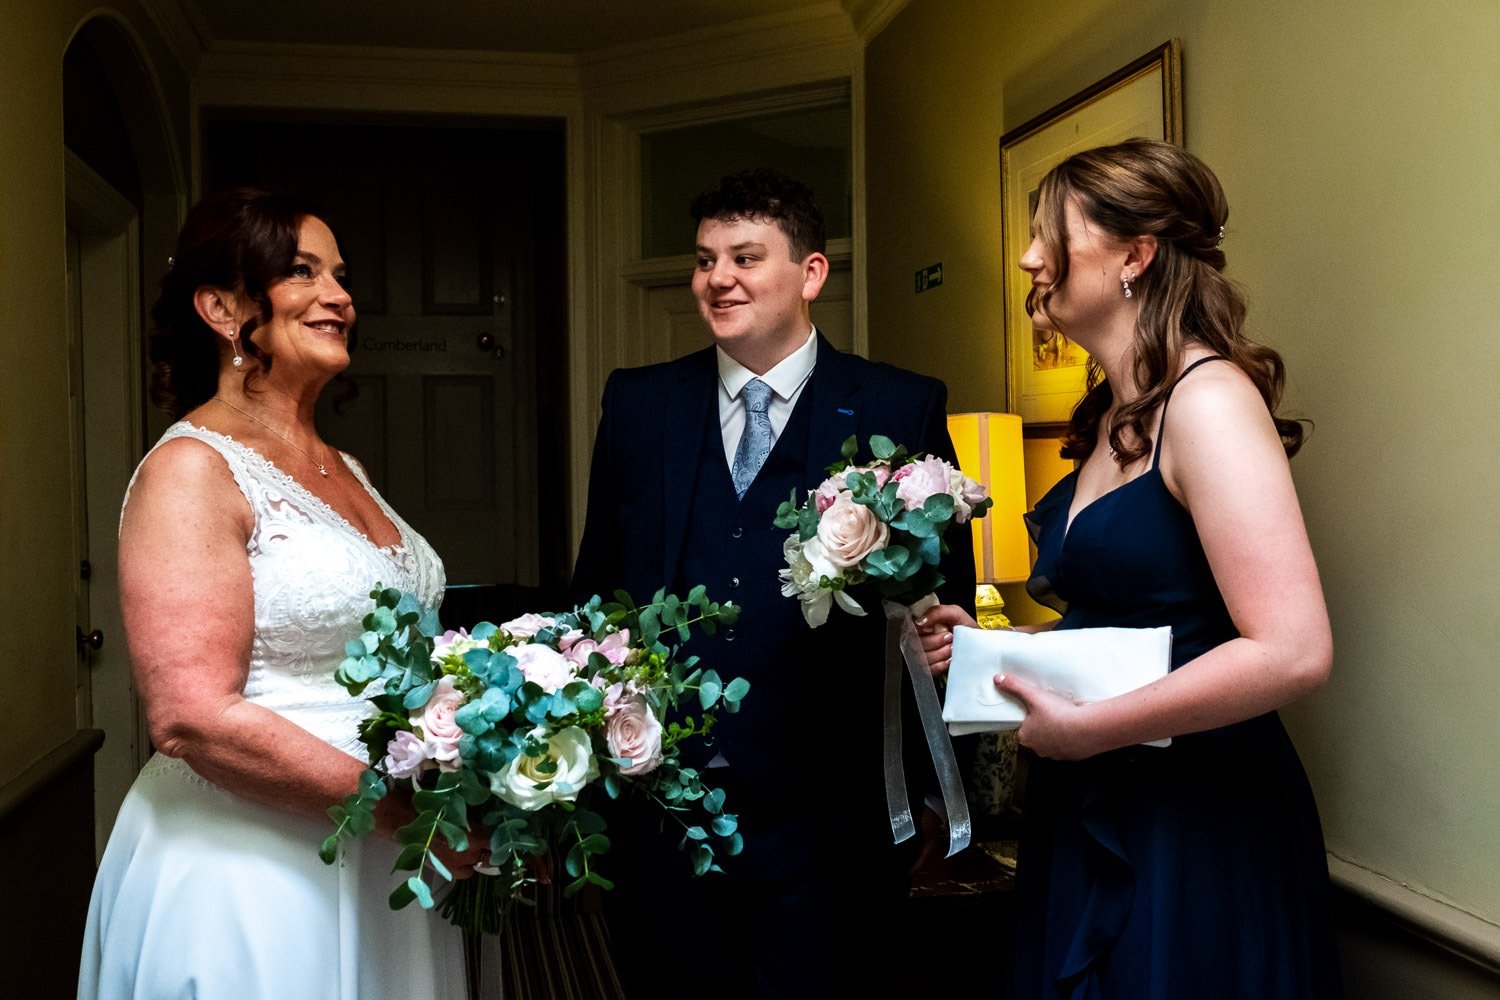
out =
column 751, row 294
column 311, row 311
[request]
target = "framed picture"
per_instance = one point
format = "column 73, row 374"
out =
column 1044, row 370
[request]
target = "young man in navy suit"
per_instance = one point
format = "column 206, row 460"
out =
column 691, row 460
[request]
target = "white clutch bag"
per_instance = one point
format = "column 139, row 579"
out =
column 1084, row 664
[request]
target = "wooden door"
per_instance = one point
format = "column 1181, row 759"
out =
column 104, row 362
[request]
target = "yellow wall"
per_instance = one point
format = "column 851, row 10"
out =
column 1359, row 145
column 38, row 567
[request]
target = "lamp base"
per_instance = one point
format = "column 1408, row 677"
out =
column 989, row 607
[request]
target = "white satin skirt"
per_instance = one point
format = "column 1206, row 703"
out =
column 205, row 895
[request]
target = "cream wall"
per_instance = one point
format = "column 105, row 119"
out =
column 38, row 567
column 1359, row 146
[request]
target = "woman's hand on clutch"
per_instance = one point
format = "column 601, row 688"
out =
column 1054, row 726
column 936, row 629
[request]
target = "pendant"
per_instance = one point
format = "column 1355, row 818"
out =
column 322, row 472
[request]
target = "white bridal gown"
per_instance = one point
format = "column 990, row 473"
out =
column 202, row 894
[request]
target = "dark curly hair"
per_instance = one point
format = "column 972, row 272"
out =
column 243, row 240
column 1145, row 187
column 766, row 195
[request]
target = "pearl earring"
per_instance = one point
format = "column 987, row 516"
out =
column 1125, row 281
column 234, row 345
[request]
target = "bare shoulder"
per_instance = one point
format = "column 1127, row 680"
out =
column 186, row 474
column 1217, row 425
column 1216, row 399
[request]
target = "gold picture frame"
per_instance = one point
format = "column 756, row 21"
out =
column 1045, row 372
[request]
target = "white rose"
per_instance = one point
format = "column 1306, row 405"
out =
column 525, row 786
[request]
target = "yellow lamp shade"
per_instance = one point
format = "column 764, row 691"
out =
column 989, row 451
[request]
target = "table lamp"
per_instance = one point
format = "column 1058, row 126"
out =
column 989, row 451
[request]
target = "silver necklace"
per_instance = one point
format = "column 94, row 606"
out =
column 322, row 469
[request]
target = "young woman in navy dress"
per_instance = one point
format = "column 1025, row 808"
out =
column 1198, row 869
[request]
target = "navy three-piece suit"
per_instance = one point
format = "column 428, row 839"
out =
column 804, row 752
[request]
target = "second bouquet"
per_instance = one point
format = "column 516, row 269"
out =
column 874, row 531
column 515, row 729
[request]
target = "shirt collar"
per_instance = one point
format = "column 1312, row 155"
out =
column 784, row 379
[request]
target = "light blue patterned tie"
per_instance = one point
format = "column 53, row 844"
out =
column 755, row 441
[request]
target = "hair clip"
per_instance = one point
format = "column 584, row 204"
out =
column 1220, row 240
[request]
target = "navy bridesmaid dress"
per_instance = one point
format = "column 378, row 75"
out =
column 1179, row 873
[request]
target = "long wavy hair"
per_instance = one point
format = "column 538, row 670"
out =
column 240, row 239
column 1144, row 187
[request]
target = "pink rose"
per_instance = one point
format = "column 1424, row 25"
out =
column 615, row 648
column 920, row 480
column 441, row 730
column 405, row 755
column 828, row 491
column 634, row 731
column 850, row 531
column 543, row 665
column 527, row 626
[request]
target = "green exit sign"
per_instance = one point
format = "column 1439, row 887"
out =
column 930, row 277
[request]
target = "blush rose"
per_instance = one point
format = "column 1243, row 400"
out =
column 850, row 531
column 438, row 725
column 633, row 730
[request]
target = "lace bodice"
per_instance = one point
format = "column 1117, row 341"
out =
column 313, row 572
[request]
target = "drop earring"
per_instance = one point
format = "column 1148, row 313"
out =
column 1125, row 281
column 234, row 345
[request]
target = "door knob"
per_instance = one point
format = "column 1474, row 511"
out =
column 91, row 640
column 487, row 343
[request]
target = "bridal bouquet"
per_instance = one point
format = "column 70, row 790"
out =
column 873, row 532
column 511, row 729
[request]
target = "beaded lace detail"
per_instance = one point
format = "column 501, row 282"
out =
column 313, row 572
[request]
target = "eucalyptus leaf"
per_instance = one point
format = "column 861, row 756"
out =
column 709, row 689
column 410, row 858
column 419, row 696
column 420, row 892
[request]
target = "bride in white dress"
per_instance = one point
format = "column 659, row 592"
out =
column 248, row 550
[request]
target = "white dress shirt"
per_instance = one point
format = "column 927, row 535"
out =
column 786, row 381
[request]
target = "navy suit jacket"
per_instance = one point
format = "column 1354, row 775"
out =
column 650, row 443
column 650, row 440
column 804, row 750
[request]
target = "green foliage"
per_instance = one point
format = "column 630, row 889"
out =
column 503, row 716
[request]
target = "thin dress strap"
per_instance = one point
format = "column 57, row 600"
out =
column 1161, row 426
